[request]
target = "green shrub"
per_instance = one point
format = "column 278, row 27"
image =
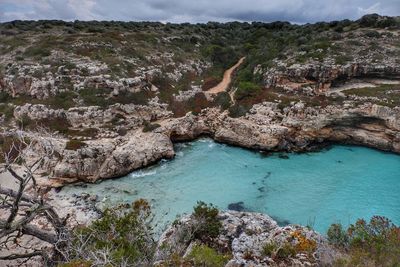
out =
column 7, row 111
column 369, row 20
column 373, row 34
column 269, row 249
column 202, row 255
column 149, row 127
column 343, row 59
column 86, row 132
column 64, row 100
column 4, row 97
column 74, row 144
column 37, row 51
column 77, row 263
column 123, row 234
column 208, row 225
column 285, row 251
column 223, row 100
column 95, row 96
column 238, row 110
column 376, row 243
column 247, row 89
column 25, row 122
column 337, row 236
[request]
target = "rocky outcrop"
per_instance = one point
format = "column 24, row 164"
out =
column 94, row 116
column 323, row 76
column 108, row 158
column 296, row 128
column 245, row 235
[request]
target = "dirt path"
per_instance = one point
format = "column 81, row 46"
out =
column 224, row 84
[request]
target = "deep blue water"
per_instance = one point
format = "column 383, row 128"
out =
column 340, row 184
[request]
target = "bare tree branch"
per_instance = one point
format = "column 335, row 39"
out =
column 25, row 208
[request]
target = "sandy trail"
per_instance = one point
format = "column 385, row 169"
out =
column 223, row 85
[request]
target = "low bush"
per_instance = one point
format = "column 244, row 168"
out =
column 278, row 252
column 337, row 236
column 25, row 122
column 202, row 255
column 7, row 111
column 247, row 89
column 149, row 127
column 86, row 132
column 223, row 100
column 238, row 110
column 343, row 59
column 74, row 144
column 285, row 251
column 376, row 243
column 123, row 236
column 208, row 225
column 4, row 97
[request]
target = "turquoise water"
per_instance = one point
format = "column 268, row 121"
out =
column 340, row 184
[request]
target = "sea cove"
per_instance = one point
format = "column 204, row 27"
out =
column 339, row 184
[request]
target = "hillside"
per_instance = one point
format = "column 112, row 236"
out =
column 105, row 88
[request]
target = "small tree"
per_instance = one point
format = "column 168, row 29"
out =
column 208, row 225
column 122, row 237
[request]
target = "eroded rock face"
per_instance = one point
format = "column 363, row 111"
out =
column 108, row 158
column 323, row 76
column 300, row 128
column 245, row 234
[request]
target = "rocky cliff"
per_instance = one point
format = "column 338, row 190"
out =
column 247, row 236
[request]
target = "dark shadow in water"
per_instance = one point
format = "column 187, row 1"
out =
column 281, row 222
column 264, row 179
column 237, row 206
column 283, row 156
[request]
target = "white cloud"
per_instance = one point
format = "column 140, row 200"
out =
column 371, row 9
column 195, row 11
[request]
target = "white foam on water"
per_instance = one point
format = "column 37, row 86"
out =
column 141, row 173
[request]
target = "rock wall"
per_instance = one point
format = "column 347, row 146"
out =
column 323, row 76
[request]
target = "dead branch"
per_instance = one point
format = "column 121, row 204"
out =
column 23, row 208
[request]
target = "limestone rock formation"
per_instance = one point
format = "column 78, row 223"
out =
column 245, row 235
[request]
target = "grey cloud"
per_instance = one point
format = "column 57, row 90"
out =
column 299, row 11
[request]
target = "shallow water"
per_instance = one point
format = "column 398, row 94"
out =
column 336, row 185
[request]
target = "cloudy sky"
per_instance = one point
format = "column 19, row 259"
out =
column 297, row 11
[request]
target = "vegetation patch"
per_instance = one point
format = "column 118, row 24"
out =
column 208, row 225
column 7, row 111
column 202, row 255
column 247, row 89
column 123, row 234
column 149, row 127
column 74, row 144
column 373, row 243
column 388, row 94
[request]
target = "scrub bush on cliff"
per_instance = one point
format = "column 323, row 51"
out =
column 122, row 237
column 376, row 243
column 208, row 225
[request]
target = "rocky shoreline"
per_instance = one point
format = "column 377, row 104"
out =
column 265, row 128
